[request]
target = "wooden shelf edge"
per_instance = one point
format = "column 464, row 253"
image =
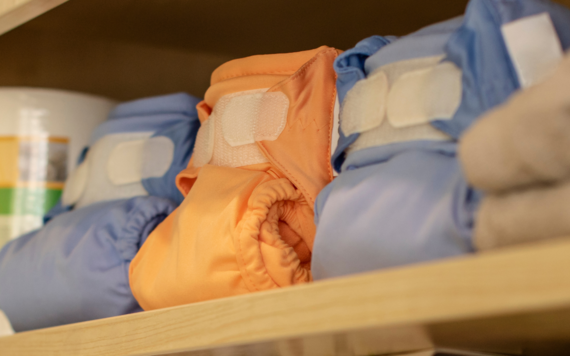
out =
column 509, row 282
column 13, row 13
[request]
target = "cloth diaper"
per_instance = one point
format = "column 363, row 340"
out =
column 262, row 155
column 401, row 196
column 75, row 268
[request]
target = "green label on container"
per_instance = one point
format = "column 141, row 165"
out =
column 27, row 201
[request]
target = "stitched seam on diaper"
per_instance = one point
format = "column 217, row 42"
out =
column 295, row 76
column 241, row 254
column 331, row 127
column 257, row 73
column 297, row 184
column 301, row 70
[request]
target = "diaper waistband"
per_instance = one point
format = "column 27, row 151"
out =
column 287, row 124
column 397, row 102
column 228, row 137
column 254, row 72
column 115, row 167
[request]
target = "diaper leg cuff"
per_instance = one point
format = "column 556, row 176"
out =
column 272, row 239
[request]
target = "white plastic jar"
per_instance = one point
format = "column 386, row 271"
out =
column 42, row 133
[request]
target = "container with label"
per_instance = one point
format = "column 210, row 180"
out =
column 42, row 133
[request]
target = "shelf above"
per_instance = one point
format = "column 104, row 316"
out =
column 13, row 13
column 126, row 49
column 510, row 301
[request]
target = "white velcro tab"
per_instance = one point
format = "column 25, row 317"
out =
column 254, row 115
column 114, row 165
column 228, row 138
column 238, row 116
column 423, row 95
column 204, row 146
column 364, row 106
column 272, row 116
column 533, row 46
column 125, row 162
column 158, row 154
column 75, row 185
column 410, row 93
column 225, row 155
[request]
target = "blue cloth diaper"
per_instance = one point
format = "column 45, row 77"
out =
column 401, row 197
column 75, row 268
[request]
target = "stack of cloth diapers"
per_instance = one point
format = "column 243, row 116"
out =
column 143, row 225
column 75, row 268
column 402, row 196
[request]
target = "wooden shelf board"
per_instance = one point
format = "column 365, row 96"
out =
column 13, row 13
column 510, row 301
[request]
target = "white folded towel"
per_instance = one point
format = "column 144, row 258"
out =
column 5, row 326
column 523, row 216
column 523, row 142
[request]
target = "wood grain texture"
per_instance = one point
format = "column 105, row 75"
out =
column 13, row 13
column 390, row 311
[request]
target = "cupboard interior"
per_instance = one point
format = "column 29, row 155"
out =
column 126, row 49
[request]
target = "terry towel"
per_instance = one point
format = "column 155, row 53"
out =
column 524, row 142
column 518, row 153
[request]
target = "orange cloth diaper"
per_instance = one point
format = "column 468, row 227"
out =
column 262, row 156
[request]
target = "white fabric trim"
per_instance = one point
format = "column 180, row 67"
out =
column 409, row 94
column 228, row 137
column 124, row 165
column 534, row 47
column 335, row 135
column 386, row 134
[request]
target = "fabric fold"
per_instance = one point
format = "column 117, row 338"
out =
column 529, row 215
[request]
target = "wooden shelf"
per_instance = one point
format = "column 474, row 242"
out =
column 13, row 13
column 513, row 301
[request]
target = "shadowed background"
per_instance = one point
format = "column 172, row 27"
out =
column 126, row 49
